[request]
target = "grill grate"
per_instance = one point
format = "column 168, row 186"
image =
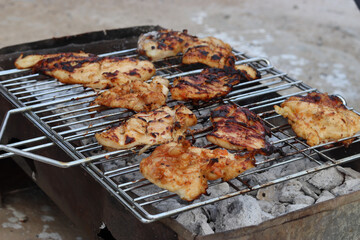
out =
column 62, row 113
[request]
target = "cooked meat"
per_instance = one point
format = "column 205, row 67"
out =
column 94, row 72
column 136, row 95
column 209, row 51
column 237, row 128
column 184, row 169
column 156, row 127
column 165, row 43
column 210, row 83
column 31, row 60
column 249, row 72
column 319, row 118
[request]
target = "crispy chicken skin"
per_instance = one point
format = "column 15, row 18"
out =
column 209, row 84
column 165, row 43
column 237, row 128
column 249, row 72
column 184, row 169
column 31, row 60
column 94, row 72
column 135, row 95
column 209, row 51
column 319, row 118
column 155, row 127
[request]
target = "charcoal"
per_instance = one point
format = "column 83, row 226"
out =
column 195, row 221
column 294, row 207
column 290, row 190
column 324, row 196
column 303, row 199
column 350, row 185
column 327, row 179
column 269, row 194
column 278, row 209
column 266, row 206
column 310, row 190
column 238, row 212
column 348, row 172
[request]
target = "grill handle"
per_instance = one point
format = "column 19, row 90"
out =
column 25, row 153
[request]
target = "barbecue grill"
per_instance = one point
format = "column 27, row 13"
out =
column 65, row 128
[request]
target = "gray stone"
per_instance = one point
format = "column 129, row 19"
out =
column 303, row 199
column 290, row 190
column 348, row 171
column 240, row 212
column 294, row 207
column 327, row 179
column 324, row 196
column 350, row 185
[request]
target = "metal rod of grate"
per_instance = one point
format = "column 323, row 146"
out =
column 63, row 111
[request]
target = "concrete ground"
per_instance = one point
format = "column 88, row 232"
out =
column 316, row 41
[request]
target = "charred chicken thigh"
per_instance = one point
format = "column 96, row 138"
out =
column 136, row 95
column 185, row 169
column 319, row 118
column 155, row 127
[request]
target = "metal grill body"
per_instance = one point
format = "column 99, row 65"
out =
column 62, row 113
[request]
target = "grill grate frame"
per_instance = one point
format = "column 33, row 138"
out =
column 62, row 113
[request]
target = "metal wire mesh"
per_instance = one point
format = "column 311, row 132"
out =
column 63, row 113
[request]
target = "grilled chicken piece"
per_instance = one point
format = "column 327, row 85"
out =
column 184, row 169
column 319, row 118
column 209, row 51
column 31, row 60
column 136, row 95
column 237, row 128
column 210, row 83
column 92, row 71
column 249, row 72
column 156, row 127
column 165, row 43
